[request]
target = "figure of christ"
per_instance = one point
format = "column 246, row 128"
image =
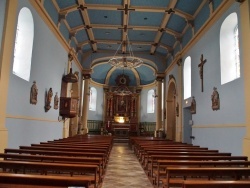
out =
column 202, row 62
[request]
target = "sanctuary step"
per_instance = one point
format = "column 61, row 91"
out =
column 121, row 140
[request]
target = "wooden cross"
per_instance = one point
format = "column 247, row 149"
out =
column 203, row 61
column 126, row 9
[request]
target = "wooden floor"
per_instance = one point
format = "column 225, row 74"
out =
column 124, row 169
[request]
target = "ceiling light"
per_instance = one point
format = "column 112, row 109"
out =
column 127, row 60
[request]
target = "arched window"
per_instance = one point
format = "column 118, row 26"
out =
column 92, row 99
column 187, row 77
column 151, row 101
column 229, row 49
column 23, row 44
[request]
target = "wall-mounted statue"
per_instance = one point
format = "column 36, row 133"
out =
column 33, row 93
column 193, row 106
column 215, row 99
column 177, row 109
column 56, row 101
column 48, row 99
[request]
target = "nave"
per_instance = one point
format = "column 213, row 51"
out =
column 86, row 161
column 124, row 169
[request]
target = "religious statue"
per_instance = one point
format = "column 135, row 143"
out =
column 48, row 100
column 202, row 62
column 177, row 109
column 193, row 106
column 56, row 101
column 33, row 93
column 215, row 99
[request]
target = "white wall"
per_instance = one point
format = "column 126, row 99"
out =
column 98, row 114
column 28, row 123
column 146, row 117
column 217, row 129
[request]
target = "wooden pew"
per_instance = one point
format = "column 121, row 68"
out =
column 163, row 164
column 25, row 180
column 215, row 184
column 184, row 173
column 86, row 140
column 191, row 150
column 55, row 159
column 49, row 168
column 64, row 156
column 103, row 146
column 154, row 158
column 106, row 149
column 58, row 153
column 76, row 145
column 142, row 149
column 195, row 153
column 67, row 149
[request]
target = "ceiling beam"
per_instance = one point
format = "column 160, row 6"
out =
column 131, row 8
column 163, row 26
column 89, row 30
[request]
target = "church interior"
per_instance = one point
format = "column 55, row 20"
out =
column 134, row 83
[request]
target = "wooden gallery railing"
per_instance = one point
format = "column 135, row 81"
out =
column 95, row 127
column 147, row 128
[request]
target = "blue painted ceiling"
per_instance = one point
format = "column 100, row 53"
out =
column 153, row 27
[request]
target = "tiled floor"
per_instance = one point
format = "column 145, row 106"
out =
column 124, row 170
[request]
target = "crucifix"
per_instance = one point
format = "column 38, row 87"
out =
column 203, row 61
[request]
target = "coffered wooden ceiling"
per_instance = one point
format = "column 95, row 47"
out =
column 154, row 27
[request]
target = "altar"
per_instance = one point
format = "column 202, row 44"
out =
column 120, row 125
column 121, row 129
column 121, row 110
column 121, row 132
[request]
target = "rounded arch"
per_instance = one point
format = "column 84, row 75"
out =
column 104, row 60
column 24, row 37
column 187, row 77
column 229, row 49
column 171, row 112
column 110, row 70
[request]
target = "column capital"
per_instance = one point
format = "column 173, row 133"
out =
column 160, row 77
column 86, row 73
column 179, row 61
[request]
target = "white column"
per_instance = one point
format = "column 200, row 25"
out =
column 85, row 107
column 159, row 103
column 5, row 64
column 179, row 98
column 245, row 56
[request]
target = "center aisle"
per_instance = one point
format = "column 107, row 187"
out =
column 124, row 169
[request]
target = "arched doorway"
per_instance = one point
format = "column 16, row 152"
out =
column 171, row 115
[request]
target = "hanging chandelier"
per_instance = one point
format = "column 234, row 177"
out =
column 125, row 61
